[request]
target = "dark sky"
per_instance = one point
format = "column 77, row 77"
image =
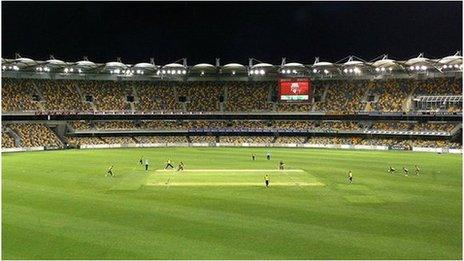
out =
column 201, row 31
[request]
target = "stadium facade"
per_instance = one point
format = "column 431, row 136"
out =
column 413, row 104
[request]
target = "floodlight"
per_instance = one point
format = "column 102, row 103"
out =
column 3, row 67
column 423, row 67
column 178, row 72
column 79, row 70
column 184, row 71
column 294, row 71
column 326, row 71
column 261, row 72
column 66, row 70
column 456, row 66
column 411, row 68
column 202, row 73
column 417, row 67
column 233, row 72
column 377, row 69
column 164, row 72
column 445, row 66
column 314, row 70
column 382, row 69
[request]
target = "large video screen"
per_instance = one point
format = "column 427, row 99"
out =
column 295, row 90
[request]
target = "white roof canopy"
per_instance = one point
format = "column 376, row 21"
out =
column 453, row 59
column 233, row 65
column 323, row 64
column 353, row 62
column 56, row 62
column 25, row 61
column 173, row 65
column 85, row 64
column 259, row 65
column 384, row 63
column 203, row 65
column 417, row 60
column 293, row 65
column 115, row 65
column 144, row 66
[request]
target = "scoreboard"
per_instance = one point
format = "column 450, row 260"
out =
column 294, row 90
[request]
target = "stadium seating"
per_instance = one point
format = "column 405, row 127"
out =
column 245, row 139
column 202, row 139
column 329, row 96
column 85, row 140
column 332, row 96
column 7, row 141
column 286, row 140
column 34, row 135
column 17, row 95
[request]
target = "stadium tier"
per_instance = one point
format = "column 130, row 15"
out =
column 396, row 134
column 329, row 96
column 414, row 112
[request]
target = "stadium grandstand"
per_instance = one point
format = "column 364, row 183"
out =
column 413, row 104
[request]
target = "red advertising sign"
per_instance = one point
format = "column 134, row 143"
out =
column 294, row 89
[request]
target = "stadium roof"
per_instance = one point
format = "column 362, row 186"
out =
column 145, row 66
column 420, row 59
column 293, row 65
column 56, row 62
column 259, row 65
column 234, row 65
column 419, row 64
column 115, row 65
column 452, row 59
column 203, row 65
column 173, row 65
column 85, row 63
column 322, row 64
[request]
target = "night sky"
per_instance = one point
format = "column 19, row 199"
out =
column 201, row 31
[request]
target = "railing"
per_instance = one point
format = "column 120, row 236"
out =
column 178, row 112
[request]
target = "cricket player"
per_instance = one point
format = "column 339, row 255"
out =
column 253, row 156
column 169, row 164
column 110, row 171
column 266, row 180
column 281, row 165
column 391, row 170
column 141, row 160
column 417, row 169
column 146, row 164
column 406, row 171
column 268, row 156
column 350, row 176
column 181, row 166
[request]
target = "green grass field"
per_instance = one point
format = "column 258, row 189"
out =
column 60, row 205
